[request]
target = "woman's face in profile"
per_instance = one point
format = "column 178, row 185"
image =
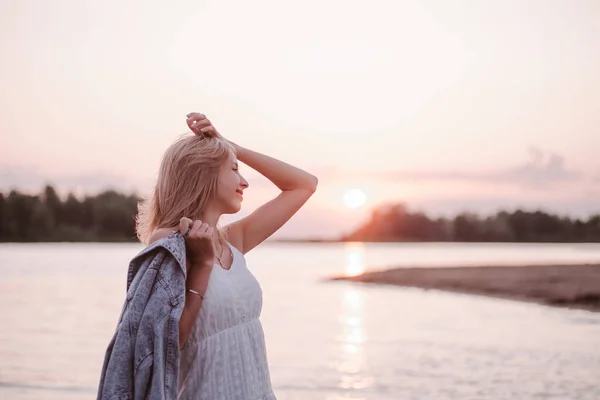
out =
column 231, row 187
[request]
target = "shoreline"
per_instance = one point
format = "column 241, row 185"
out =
column 572, row 286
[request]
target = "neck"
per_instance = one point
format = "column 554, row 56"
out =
column 211, row 218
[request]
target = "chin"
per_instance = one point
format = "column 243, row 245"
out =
column 234, row 207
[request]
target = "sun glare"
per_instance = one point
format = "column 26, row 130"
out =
column 355, row 259
column 354, row 198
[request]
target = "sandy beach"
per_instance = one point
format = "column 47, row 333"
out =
column 574, row 286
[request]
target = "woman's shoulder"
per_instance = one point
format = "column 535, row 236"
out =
column 160, row 233
column 231, row 232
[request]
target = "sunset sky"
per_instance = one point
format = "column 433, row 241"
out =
column 445, row 105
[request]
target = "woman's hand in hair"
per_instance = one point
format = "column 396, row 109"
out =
column 199, row 124
column 199, row 242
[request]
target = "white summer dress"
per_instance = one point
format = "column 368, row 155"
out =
column 225, row 357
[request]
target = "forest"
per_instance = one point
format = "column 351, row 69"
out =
column 110, row 217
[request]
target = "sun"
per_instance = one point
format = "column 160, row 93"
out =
column 354, row 198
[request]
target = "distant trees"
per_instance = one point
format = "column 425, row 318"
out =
column 108, row 216
column 396, row 223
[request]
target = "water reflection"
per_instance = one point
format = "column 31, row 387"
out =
column 355, row 258
column 352, row 363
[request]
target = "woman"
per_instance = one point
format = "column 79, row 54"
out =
column 221, row 340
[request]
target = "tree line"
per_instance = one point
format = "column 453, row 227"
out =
column 396, row 223
column 110, row 216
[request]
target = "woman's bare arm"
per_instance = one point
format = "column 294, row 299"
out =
column 197, row 280
column 296, row 186
column 199, row 266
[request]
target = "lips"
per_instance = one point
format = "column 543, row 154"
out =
column 240, row 192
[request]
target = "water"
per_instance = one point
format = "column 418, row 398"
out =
column 59, row 304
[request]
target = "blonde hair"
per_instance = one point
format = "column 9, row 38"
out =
column 187, row 181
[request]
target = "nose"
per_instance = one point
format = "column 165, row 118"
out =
column 244, row 183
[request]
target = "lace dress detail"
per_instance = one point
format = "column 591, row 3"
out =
column 225, row 356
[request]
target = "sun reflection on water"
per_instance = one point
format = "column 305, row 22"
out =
column 352, row 363
column 355, row 259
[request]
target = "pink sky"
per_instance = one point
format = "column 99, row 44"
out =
column 447, row 106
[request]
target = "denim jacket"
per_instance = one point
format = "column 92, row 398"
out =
column 142, row 358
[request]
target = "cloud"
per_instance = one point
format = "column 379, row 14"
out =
column 539, row 172
column 19, row 177
column 592, row 194
column 28, row 179
column 596, row 178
